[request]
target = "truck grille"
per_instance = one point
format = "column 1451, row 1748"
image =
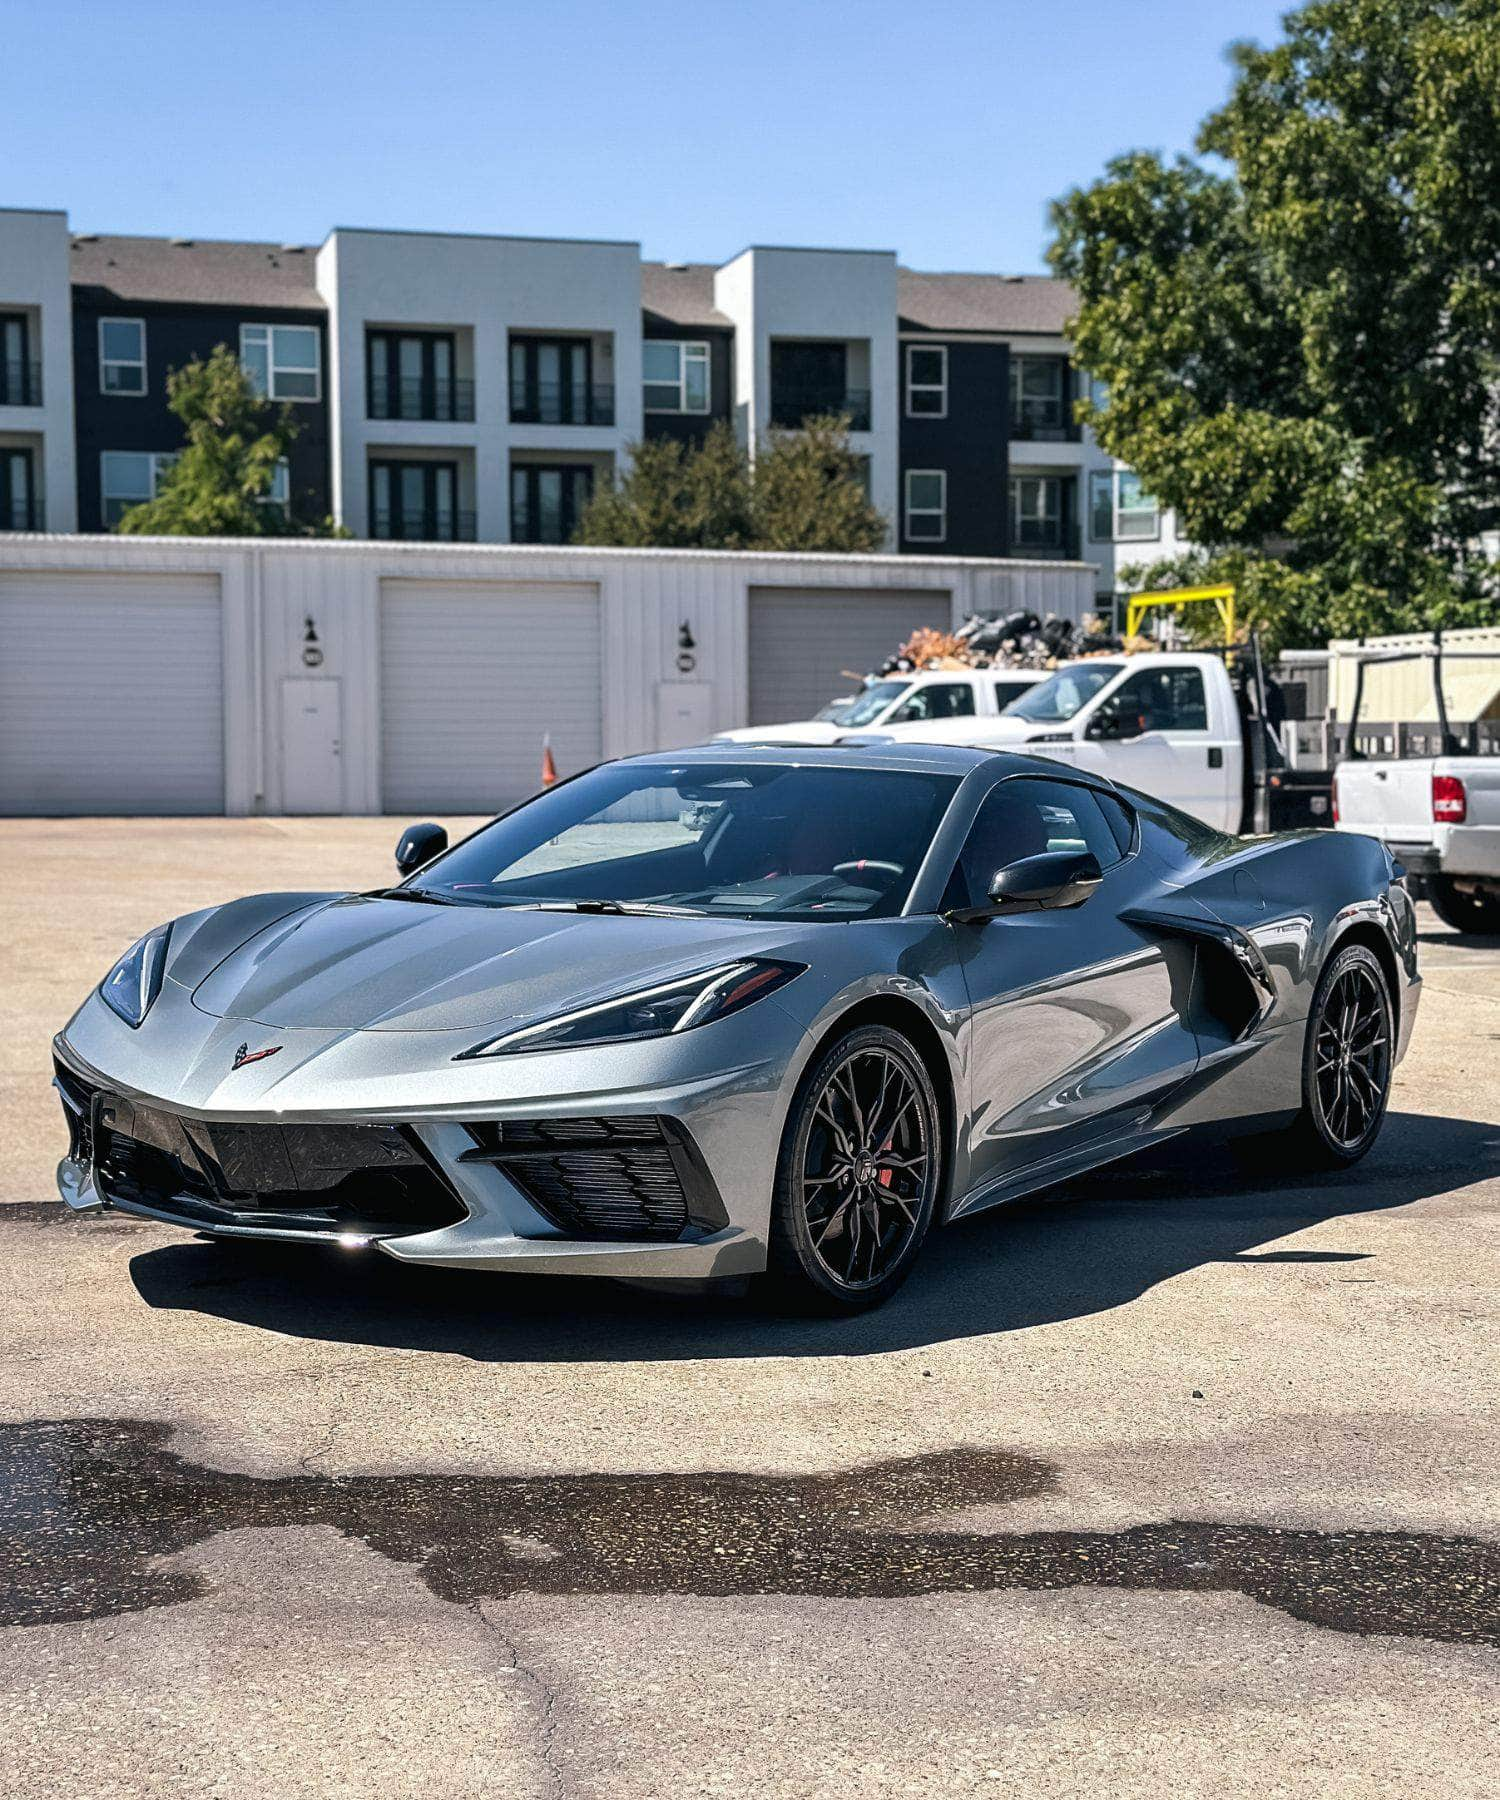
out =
column 614, row 1177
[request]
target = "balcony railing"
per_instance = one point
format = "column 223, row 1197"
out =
column 413, row 397
column 1053, row 543
column 1041, row 421
column 418, row 525
column 792, row 406
column 563, row 403
column 20, row 383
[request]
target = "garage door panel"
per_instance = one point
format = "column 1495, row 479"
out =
column 473, row 676
column 803, row 639
column 111, row 694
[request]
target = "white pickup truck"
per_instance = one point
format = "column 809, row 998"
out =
column 1167, row 723
column 1440, row 815
column 962, row 695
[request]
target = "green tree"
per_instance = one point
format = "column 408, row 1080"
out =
column 220, row 485
column 803, row 491
column 1300, row 344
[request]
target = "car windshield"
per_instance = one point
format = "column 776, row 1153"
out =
column 866, row 708
column 747, row 839
column 1063, row 694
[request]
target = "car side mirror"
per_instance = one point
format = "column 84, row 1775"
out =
column 419, row 844
column 1046, row 883
column 1113, row 726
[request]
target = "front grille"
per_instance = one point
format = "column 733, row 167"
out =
column 621, row 1177
column 367, row 1179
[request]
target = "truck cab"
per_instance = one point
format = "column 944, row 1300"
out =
column 1165, row 722
column 924, row 697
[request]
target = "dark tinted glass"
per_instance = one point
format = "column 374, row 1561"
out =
column 1163, row 700
column 1117, row 815
column 1027, row 818
column 755, row 839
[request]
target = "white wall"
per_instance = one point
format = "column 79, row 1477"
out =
column 270, row 589
column 848, row 295
column 488, row 287
column 35, row 248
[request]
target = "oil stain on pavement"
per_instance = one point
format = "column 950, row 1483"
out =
column 92, row 1506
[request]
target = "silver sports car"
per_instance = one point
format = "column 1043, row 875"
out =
column 741, row 1011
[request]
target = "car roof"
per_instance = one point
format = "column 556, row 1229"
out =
column 929, row 759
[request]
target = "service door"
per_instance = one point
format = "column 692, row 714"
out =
column 809, row 645
column 111, row 694
column 474, row 677
column 311, row 751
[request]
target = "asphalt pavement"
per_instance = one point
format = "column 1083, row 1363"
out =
column 1180, row 1481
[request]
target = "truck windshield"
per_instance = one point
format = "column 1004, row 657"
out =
column 1064, row 693
column 867, row 707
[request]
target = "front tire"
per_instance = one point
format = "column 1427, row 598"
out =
column 1347, row 1062
column 1464, row 911
column 858, row 1175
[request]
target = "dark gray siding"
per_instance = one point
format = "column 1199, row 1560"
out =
column 970, row 444
column 175, row 334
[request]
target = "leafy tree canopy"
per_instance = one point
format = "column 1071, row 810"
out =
column 220, row 485
column 1300, row 341
column 802, row 491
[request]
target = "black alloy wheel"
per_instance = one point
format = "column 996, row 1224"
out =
column 858, row 1176
column 1349, row 1058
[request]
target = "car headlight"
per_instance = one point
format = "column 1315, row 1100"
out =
column 661, row 1011
column 135, row 980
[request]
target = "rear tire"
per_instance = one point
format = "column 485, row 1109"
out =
column 857, row 1177
column 1347, row 1062
column 1468, row 912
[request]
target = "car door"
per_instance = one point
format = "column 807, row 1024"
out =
column 1077, row 1020
column 1154, row 732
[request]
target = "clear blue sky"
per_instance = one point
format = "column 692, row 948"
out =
column 939, row 129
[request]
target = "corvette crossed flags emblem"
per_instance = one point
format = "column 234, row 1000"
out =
column 246, row 1055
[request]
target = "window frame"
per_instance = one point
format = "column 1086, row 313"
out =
column 1055, row 482
column 957, row 878
column 700, row 351
column 939, row 512
column 159, row 461
column 570, row 510
column 123, row 362
column 1113, row 476
column 1110, row 701
column 270, row 328
column 927, row 387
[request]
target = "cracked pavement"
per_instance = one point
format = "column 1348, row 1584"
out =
column 1183, row 1356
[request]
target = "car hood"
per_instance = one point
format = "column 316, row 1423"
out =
column 364, row 963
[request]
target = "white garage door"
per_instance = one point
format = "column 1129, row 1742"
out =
column 111, row 694
column 473, row 676
column 803, row 639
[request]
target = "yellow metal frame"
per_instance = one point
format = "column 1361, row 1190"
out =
column 1138, row 605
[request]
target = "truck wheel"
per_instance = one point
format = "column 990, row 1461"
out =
column 1347, row 1063
column 1475, row 911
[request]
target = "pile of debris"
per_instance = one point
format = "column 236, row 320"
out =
column 1021, row 640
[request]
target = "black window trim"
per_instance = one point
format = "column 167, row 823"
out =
column 926, row 387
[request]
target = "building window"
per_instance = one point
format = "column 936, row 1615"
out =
column 1039, row 397
column 676, row 376
column 927, row 381
column 282, row 361
column 552, row 383
column 129, row 478
column 20, row 377
column 122, row 356
column 410, row 376
column 546, row 502
column 926, row 505
column 1120, row 510
column 20, row 504
column 417, row 500
column 1039, row 513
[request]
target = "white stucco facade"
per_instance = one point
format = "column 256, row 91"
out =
column 35, row 286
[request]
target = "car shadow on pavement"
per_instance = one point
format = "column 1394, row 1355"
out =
column 1088, row 1247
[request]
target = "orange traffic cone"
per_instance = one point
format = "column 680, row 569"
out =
column 549, row 768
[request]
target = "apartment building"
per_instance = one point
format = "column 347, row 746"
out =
column 458, row 388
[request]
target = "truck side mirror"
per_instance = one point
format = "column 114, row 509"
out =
column 419, row 844
column 1113, row 726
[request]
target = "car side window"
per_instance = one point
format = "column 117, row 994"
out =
column 938, row 700
column 1161, row 700
column 1027, row 817
column 1119, row 817
column 1006, row 691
